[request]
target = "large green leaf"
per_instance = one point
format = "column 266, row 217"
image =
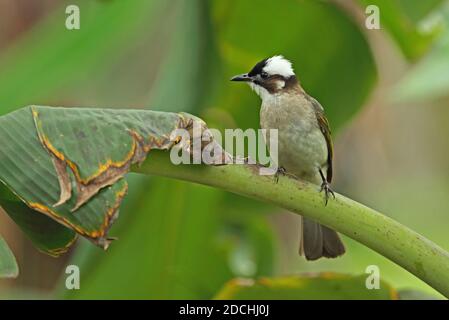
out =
column 45, row 233
column 8, row 264
column 324, row 286
column 401, row 19
column 69, row 163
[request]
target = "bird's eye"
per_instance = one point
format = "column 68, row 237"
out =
column 264, row 75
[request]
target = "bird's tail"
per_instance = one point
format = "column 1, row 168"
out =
column 319, row 241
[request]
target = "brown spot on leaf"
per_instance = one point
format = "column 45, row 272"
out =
column 64, row 181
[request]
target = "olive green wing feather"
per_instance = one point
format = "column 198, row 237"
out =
column 325, row 129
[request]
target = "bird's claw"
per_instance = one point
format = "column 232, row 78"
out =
column 325, row 186
column 280, row 171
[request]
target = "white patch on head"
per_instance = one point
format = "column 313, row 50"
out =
column 279, row 65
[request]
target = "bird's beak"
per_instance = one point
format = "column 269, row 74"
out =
column 242, row 77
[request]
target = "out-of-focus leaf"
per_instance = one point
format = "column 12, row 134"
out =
column 183, row 83
column 324, row 286
column 24, row 293
column 168, row 250
column 329, row 53
column 252, row 248
column 401, row 18
column 416, row 10
column 251, row 238
column 8, row 264
column 409, row 294
column 52, row 57
column 429, row 80
column 46, row 234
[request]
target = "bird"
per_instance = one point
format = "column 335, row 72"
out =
column 305, row 148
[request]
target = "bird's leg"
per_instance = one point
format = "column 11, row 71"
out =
column 279, row 171
column 326, row 187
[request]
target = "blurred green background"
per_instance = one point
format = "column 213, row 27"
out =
column 385, row 93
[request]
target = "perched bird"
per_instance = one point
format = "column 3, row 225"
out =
column 304, row 142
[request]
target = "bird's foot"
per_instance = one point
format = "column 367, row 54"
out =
column 325, row 186
column 280, row 171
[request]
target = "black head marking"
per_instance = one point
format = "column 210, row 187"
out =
column 258, row 68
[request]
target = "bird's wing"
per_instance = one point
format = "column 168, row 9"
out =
column 325, row 129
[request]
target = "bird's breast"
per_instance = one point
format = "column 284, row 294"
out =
column 302, row 148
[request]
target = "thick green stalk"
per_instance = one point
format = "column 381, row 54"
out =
column 413, row 252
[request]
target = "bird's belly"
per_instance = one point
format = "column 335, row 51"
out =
column 301, row 150
column 305, row 149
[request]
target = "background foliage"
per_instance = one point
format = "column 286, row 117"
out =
column 381, row 89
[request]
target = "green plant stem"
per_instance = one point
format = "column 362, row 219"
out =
column 413, row 252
